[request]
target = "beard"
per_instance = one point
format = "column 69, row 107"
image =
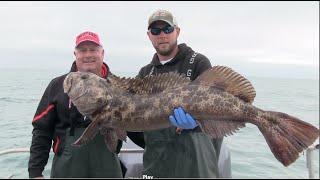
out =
column 166, row 51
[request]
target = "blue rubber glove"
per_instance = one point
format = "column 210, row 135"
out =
column 182, row 119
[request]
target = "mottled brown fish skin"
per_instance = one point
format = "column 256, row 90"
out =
column 134, row 112
column 284, row 134
column 115, row 110
column 149, row 112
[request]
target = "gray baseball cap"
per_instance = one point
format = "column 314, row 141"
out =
column 162, row 15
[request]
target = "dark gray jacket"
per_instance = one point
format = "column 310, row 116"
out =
column 191, row 154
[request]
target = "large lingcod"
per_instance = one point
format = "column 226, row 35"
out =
column 220, row 100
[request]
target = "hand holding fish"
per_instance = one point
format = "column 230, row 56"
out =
column 182, row 120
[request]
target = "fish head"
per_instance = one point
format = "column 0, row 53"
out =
column 87, row 91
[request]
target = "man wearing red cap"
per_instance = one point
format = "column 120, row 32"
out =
column 58, row 120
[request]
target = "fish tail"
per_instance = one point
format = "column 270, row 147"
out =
column 288, row 136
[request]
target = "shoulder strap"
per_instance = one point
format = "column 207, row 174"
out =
column 190, row 70
column 151, row 71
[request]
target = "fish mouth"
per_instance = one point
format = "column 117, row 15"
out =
column 80, row 96
column 66, row 87
column 67, row 84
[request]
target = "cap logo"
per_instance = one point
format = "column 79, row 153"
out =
column 159, row 13
column 87, row 34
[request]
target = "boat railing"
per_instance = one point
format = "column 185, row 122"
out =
column 26, row 150
column 309, row 156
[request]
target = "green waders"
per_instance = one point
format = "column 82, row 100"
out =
column 186, row 155
column 92, row 160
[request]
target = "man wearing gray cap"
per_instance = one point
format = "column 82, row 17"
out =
column 183, row 151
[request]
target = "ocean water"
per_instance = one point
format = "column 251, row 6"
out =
column 21, row 91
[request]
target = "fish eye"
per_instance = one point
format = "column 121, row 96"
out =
column 84, row 76
column 100, row 100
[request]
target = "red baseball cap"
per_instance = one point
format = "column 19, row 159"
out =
column 88, row 36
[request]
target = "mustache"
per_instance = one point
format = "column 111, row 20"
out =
column 162, row 41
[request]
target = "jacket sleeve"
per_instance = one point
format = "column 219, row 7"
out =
column 43, row 125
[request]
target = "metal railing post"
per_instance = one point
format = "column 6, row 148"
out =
column 310, row 162
column 309, row 159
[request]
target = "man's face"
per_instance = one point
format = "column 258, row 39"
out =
column 89, row 57
column 163, row 43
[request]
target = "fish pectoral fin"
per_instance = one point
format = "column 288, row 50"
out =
column 111, row 140
column 105, row 128
column 88, row 134
column 228, row 80
column 122, row 134
column 112, row 136
column 220, row 128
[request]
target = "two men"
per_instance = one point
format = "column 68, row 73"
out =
column 175, row 152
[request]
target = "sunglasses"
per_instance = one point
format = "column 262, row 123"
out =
column 157, row 31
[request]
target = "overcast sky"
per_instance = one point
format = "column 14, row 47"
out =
column 254, row 38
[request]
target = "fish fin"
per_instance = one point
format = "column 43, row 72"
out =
column 288, row 136
column 88, row 134
column 150, row 84
column 112, row 137
column 115, row 117
column 122, row 134
column 220, row 128
column 95, row 126
column 227, row 80
column 122, row 83
column 111, row 140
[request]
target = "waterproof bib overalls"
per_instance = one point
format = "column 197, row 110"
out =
column 79, row 162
